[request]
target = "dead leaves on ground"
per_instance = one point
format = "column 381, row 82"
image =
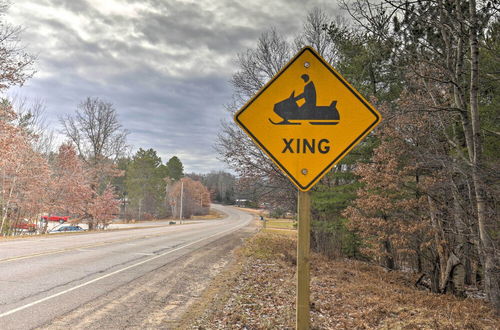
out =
column 345, row 294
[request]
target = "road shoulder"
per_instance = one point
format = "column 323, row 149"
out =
column 158, row 298
column 258, row 292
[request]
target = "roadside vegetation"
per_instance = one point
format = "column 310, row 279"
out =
column 259, row 293
column 91, row 177
column 420, row 193
column 287, row 224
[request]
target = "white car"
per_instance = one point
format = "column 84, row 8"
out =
column 66, row 229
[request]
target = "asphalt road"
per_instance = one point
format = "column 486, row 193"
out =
column 95, row 280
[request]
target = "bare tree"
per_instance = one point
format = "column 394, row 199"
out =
column 100, row 140
column 31, row 117
column 316, row 35
column 95, row 131
column 256, row 67
column 16, row 65
column 489, row 251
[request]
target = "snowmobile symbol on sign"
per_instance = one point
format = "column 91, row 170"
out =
column 307, row 118
column 288, row 109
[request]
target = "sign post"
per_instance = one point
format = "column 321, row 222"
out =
column 303, row 248
column 306, row 119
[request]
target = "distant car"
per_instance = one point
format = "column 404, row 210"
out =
column 25, row 225
column 54, row 218
column 66, row 229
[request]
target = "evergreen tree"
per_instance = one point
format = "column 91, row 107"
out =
column 145, row 184
column 175, row 168
column 331, row 196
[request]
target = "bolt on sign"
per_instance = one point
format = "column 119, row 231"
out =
column 307, row 118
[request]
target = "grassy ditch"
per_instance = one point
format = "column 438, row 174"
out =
column 281, row 224
column 258, row 292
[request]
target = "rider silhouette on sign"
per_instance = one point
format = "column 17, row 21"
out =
column 288, row 109
column 309, row 94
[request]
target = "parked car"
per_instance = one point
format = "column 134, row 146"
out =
column 25, row 225
column 65, row 229
column 60, row 219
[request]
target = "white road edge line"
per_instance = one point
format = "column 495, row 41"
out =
column 111, row 274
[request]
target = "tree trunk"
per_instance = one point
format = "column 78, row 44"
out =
column 436, row 274
column 468, row 265
column 419, row 262
column 388, row 259
column 441, row 248
column 462, row 231
column 452, row 281
column 491, row 271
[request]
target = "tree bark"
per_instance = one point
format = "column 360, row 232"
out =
column 453, row 279
column 388, row 259
column 442, row 251
column 435, row 276
column 491, row 271
column 461, row 227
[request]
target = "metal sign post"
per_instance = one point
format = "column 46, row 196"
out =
column 303, row 246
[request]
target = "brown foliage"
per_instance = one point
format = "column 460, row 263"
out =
column 195, row 198
column 24, row 173
column 344, row 295
column 69, row 190
column 29, row 186
column 391, row 211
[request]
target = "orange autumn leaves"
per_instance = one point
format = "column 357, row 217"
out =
column 195, row 198
column 32, row 184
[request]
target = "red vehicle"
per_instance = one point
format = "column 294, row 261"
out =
column 54, row 218
column 26, row 225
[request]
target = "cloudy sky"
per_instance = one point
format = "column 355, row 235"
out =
column 164, row 64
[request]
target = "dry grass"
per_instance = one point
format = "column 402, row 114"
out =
column 212, row 215
column 345, row 294
column 253, row 211
column 284, row 232
column 280, row 224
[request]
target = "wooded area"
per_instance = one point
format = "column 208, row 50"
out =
column 421, row 193
column 90, row 177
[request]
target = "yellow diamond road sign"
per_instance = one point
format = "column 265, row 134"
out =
column 307, row 118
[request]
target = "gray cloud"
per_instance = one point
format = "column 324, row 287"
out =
column 165, row 65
